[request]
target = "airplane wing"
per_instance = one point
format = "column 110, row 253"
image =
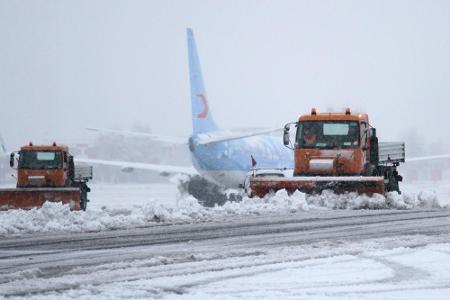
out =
column 160, row 138
column 129, row 166
column 206, row 139
column 203, row 139
column 432, row 157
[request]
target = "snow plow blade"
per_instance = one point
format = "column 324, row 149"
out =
column 28, row 198
column 261, row 186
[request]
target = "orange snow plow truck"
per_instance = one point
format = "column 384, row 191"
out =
column 338, row 152
column 46, row 173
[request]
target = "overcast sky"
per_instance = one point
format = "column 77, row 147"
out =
column 66, row 65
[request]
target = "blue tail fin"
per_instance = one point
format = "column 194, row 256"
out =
column 202, row 120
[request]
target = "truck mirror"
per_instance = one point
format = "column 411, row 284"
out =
column 11, row 160
column 286, row 140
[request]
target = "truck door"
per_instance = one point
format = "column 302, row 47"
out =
column 364, row 142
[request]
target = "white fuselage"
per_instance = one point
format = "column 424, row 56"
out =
column 227, row 163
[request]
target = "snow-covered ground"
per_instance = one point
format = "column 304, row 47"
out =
column 399, row 273
column 317, row 261
column 440, row 188
column 273, row 265
column 127, row 195
column 352, row 271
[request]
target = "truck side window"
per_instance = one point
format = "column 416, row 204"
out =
column 364, row 135
column 65, row 159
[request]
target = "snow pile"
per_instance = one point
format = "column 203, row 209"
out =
column 328, row 199
column 393, row 200
column 279, row 202
column 56, row 217
column 410, row 201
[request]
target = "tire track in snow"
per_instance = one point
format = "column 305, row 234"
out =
column 286, row 234
column 198, row 231
column 281, row 233
column 76, row 257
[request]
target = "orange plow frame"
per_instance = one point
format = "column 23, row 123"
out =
column 261, row 186
column 28, row 198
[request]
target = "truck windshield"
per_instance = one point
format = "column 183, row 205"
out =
column 327, row 134
column 40, row 160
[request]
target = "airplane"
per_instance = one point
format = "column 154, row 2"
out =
column 221, row 156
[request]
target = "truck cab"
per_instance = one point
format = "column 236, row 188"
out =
column 338, row 152
column 334, row 144
column 43, row 166
column 46, row 173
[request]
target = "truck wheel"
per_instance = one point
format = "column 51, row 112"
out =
column 391, row 177
column 392, row 185
column 83, row 199
column 83, row 202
